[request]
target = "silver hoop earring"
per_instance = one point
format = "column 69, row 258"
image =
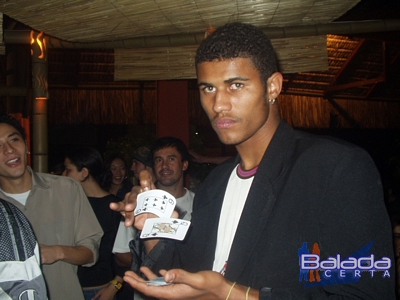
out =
column 272, row 101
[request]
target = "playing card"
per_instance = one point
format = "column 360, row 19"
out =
column 169, row 228
column 159, row 281
column 158, row 202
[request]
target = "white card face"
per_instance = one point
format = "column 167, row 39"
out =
column 158, row 202
column 168, row 228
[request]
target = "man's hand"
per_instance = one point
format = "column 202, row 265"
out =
column 185, row 285
column 128, row 205
column 49, row 254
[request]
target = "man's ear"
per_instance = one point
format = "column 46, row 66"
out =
column 185, row 165
column 274, row 84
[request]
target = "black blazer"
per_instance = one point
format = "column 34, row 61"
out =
column 307, row 189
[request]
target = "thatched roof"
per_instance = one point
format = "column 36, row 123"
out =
column 319, row 81
column 154, row 40
column 99, row 21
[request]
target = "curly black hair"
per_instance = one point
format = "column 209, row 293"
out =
column 239, row 40
column 7, row 119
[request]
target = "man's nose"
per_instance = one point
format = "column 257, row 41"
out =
column 221, row 102
column 8, row 148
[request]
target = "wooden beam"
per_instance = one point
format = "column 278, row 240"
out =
column 354, row 84
column 344, row 66
column 344, row 113
column 13, row 91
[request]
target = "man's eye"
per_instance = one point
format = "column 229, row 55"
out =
column 236, row 86
column 209, row 89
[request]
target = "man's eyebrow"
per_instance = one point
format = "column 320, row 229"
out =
column 203, row 84
column 15, row 133
column 230, row 80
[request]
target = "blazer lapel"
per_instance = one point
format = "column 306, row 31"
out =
column 260, row 202
column 205, row 219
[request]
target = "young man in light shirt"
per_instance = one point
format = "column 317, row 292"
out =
column 57, row 208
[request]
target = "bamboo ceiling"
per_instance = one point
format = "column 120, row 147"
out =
column 294, row 54
column 110, row 20
column 83, row 21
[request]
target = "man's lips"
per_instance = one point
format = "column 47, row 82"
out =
column 13, row 161
column 166, row 173
column 224, row 122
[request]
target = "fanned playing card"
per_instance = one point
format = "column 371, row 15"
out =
column 169, row 228
column 158, row 202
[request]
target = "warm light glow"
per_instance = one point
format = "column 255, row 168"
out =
column 40, row 98
column 41, row 43
column 32, row 38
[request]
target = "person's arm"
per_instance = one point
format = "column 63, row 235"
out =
column 123, row 256
column 123, row 259
column 88, row 232
column 109, row 291
column 185, row 285
column 78, row 255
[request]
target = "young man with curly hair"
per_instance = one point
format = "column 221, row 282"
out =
column 285, row 192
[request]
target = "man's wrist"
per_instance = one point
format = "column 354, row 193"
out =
column 117, row 285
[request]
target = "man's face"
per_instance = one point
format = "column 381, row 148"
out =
column 13, row 152
column 137, row 167
column 234, row 98
column 169, row 167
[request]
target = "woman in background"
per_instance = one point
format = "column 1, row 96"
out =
column 85, row 165
column 116, row 179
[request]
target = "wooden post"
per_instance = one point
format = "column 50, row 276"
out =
column 40, row 97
